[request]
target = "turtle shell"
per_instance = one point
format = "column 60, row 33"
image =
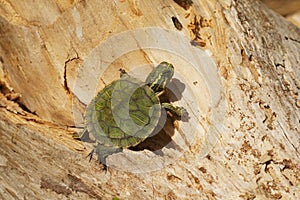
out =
column 124, row 113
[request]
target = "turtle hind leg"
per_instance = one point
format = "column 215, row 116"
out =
column 175, row 110
column 90, row 155
column 83, row 136
column 104, row 151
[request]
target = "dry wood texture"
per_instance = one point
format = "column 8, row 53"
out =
column 237, row 73
column 283, row 7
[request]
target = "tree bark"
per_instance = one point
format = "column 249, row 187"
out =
column 236, row 72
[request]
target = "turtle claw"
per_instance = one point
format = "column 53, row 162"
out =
column 104, row 168
column 90, row 155
column 76, row 136
column 180, row 111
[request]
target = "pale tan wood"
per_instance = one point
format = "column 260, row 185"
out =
column 241, row 78
column 283, row 7
column 295, row 18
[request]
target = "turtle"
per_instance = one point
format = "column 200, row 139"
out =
column 127, row 111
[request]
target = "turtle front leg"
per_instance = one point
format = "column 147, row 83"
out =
column 175, row 110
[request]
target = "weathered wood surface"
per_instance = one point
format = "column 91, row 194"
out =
column 239, row 63
column 283, row 7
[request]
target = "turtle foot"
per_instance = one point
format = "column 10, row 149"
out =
column 175, row 110
column 83, row 136
column 103, row 152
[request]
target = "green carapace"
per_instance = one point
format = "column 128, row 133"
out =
column 127, row 111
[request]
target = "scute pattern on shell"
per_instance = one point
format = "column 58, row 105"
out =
column 144, row 110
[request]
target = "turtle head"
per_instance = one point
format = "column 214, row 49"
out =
column 160, row 76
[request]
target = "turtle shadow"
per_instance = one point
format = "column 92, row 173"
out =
column 174, row 93
column 166, row 126
column 176, row 87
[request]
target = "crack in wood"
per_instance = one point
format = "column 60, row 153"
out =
column 65, row 72
column 292, row 39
